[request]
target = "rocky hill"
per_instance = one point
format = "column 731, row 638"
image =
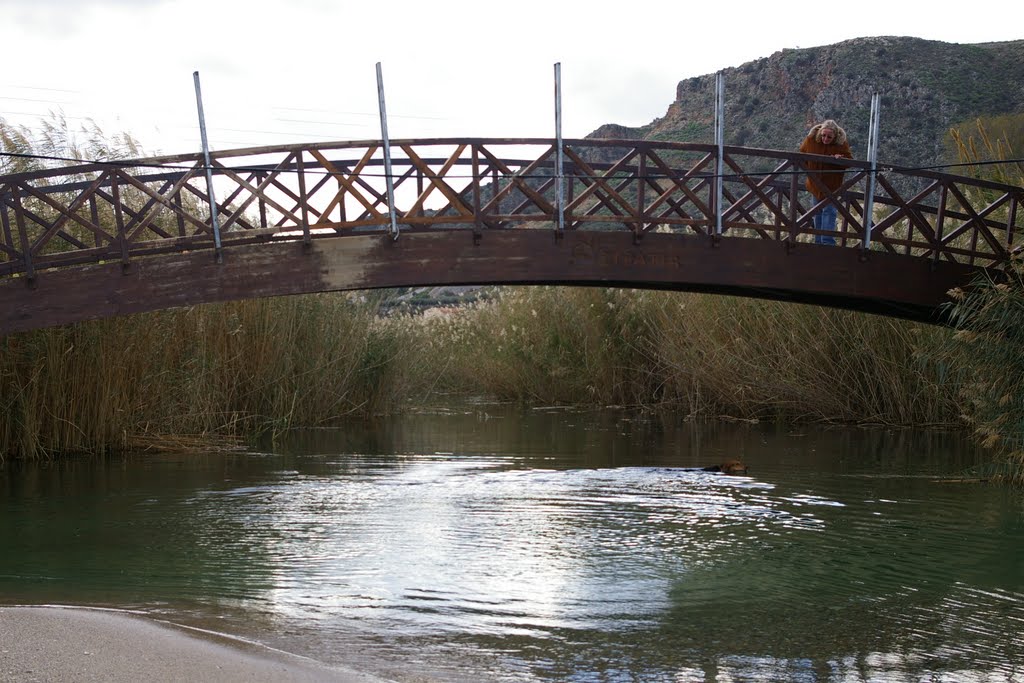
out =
column 926, row 87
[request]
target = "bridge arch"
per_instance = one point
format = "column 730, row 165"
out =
column 105, row 239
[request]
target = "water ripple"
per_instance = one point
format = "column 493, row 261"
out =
column 497, row 567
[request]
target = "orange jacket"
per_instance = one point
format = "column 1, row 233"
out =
column 832, row 178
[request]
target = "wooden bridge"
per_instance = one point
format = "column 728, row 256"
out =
column 105, row 239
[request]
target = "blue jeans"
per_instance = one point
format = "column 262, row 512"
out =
column 825, row 220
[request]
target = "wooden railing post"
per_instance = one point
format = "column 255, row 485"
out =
column 477, row 181
column 122, row 237
column 26, row 247
column 303, row 198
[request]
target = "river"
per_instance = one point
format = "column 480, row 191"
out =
column 491, row 543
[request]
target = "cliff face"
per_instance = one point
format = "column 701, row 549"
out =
column 925, row 86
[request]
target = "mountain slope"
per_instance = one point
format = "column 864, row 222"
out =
column 926, row 87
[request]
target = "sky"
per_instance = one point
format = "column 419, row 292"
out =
column 305, row 70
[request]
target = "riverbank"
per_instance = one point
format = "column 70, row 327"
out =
column 61, row 645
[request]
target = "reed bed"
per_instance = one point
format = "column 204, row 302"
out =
column 244, row 368
column 700, row 355
column 213, row 372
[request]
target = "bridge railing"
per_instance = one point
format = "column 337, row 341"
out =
column 120, row 211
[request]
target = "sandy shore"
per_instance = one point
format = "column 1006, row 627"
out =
column 65, row 645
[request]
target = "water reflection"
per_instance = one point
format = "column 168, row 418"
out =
column 490, row 545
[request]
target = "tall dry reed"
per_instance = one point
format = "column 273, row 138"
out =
column 228, row 369
column 547, row 345
column 988, row 349
column 697, row 354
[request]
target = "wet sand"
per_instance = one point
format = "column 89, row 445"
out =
column 65, row 645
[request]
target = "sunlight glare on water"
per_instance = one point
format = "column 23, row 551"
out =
column 493, row 551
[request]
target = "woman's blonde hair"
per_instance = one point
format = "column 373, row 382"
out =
column 832, row 126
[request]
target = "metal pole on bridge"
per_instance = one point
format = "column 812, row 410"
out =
column 869, row 198
column 559, row 152
column 214, row 221
column 387, row 152
column 720, row 143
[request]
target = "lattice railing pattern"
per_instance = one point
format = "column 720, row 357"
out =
column 102, row 212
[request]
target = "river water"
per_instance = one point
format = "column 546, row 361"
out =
column 493, row 544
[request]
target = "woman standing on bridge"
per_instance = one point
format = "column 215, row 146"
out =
column 827, row 139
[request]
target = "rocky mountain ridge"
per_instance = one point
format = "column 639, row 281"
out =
column 926, row 88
